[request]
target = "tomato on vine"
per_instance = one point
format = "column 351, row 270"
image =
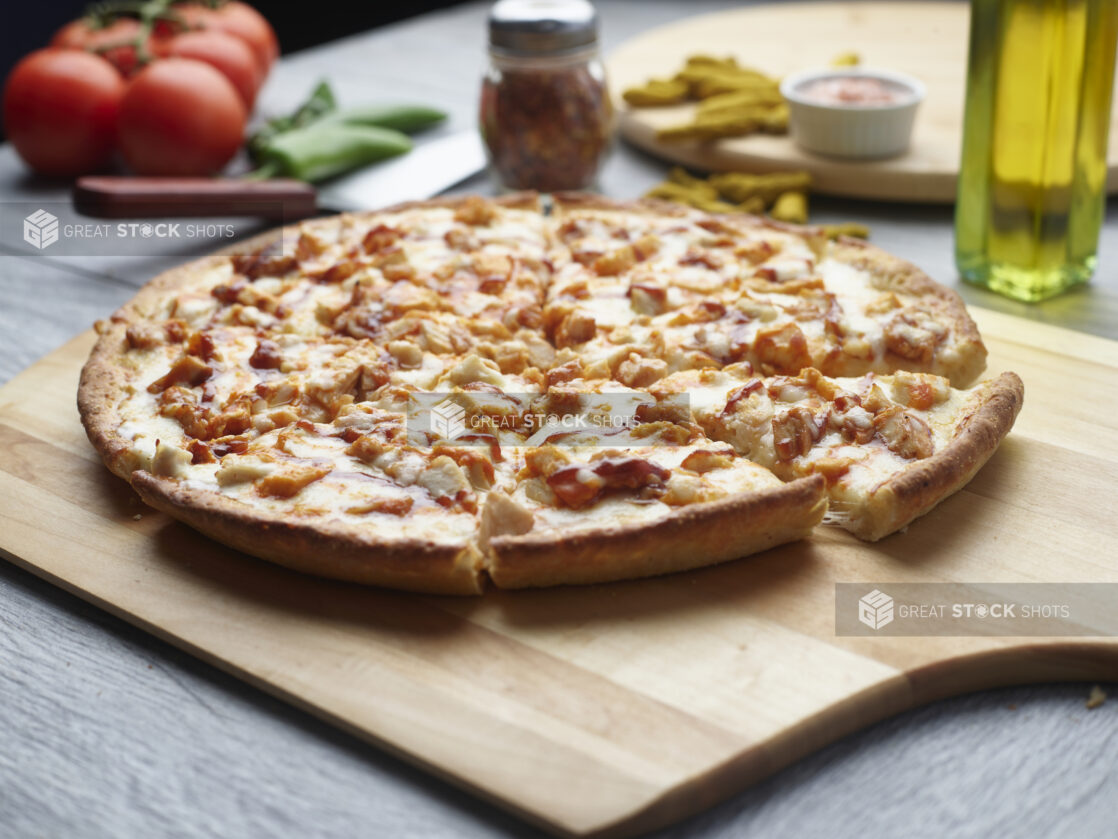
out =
column 186, row 75
column 180, row 117
column 60, row 110
column 227, row 54
column 237, row 19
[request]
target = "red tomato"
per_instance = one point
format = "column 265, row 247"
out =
column 238, row 19
column 111, row 42
column 180, row 117
column 193, row 16
column 60, row 110
column 225, row 53
column 73, row 35
column 246, row 23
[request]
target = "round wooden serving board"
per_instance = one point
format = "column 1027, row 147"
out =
column 608, row 710
column 927, row 40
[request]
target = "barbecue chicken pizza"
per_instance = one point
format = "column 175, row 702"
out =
column 447, row 394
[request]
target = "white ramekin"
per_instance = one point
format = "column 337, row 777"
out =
column 861, row 131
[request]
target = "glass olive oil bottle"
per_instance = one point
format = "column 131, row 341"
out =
column 1032, row 181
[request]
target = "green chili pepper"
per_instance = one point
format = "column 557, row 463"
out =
column 406, row 118
column 324, row 150
column 318, row 141
column 320, row 104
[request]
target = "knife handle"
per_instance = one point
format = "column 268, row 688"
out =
column 103, row 196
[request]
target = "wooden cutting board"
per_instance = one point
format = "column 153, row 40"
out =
column 927, row 40
column 609, row 709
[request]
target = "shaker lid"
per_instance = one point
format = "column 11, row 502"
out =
column 533, row 27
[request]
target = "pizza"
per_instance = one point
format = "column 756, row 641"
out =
column 450, row 394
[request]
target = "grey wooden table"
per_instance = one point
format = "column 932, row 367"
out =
column 107, row 732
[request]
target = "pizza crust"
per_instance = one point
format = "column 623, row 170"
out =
column 325, row 548
column 694, row 536
column 566, row 201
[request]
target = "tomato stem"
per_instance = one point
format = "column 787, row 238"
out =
column 103, row 14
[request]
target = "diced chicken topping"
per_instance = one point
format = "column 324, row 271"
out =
column 920, row 390
column 188, row 370
column 445, row 481
column 290, row 479
column 502, row 516
column 239, row 470
column 705, row 460
column 782, row 349
column 904, row 433
column 638, row 371
column 914, row 335
column 795, row 431
column 615, row 262
column 474, row 368
column 170, row 461
column 476, row 212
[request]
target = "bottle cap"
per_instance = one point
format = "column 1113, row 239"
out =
column 542, row 27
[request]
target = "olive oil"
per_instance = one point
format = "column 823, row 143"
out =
column 1032, row 181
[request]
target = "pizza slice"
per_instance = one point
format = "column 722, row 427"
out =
column 890, row 447
column 340, row 478
column 702, row 291
column 632, row 488
column 350, row 499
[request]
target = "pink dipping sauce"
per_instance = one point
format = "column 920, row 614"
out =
column 856, row 91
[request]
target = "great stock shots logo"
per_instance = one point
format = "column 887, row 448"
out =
column 448, row 419
column 957, row 609
column 57, row 229
column 875, row 610
column 40, row 229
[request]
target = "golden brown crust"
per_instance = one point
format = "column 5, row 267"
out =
column 918, row 489
column 587, row 201
column 564, row 201
column 325, row 548
column 695, row 536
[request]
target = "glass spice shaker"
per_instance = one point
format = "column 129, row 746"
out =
column 546, row 116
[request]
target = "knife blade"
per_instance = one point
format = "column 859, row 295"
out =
column 421, row 173
column 427, row 170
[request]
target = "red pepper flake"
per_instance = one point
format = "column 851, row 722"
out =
column 546, row 128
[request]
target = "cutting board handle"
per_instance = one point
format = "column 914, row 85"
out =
column 104, row 196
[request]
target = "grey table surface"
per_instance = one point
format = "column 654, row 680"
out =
column 108, row 732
